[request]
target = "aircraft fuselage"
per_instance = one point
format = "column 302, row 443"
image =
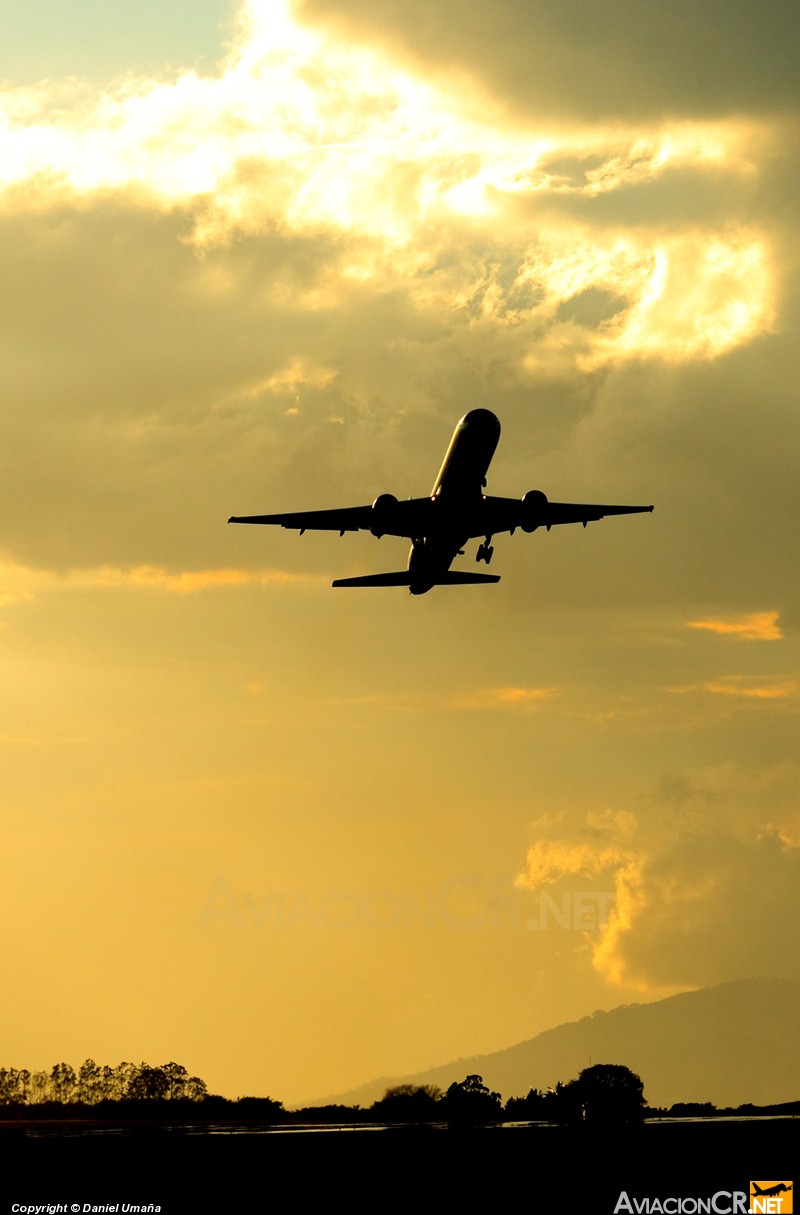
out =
column 456, row 499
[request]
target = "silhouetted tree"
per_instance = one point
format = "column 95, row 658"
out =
column 63, row 1083
column 470, row 1101
column 40, row 1088
column 609, row 1093
column 149, row 1084
column 122, row 1080
column 177, row 1079
column 408, row 1103
column 22, row 1084
column 195, row 1089
column 90, row 1082
column 531, row 1108
column 564, row 1103
column 263, row 1108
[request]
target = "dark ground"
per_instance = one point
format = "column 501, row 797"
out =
column 550, row 1169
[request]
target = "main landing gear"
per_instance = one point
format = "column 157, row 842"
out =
column 485, row 551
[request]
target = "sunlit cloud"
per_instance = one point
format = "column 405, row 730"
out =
column 19, row 584
column 297, row 374
column 550, row 861
column 703, row 296
column 755, row 626
column 747, row 687
column 185, row 582
column 304, row 132
column 526, row 699
column 738, row 685
column 678, row 874
column 629, row 899
column 485, row 699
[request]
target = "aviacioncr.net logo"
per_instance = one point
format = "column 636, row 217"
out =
column 724, row 1202
column 771, row 1198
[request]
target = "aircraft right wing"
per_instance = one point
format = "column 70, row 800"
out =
column 577, row 512
column 535, row 510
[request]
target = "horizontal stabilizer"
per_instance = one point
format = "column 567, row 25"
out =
column 456, row 577
column 403, row 578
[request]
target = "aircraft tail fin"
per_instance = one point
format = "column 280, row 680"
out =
column 403, row 578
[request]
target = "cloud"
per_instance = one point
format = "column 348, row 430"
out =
column 747, row 687
column 551, row 861
column 306, row 134
column 558, row 58
column 525, row 699
column 185, row 582
column 301, row 268
column 705, row 883
column 754, row 626
column 717, row 907
column 738, row 685
column 19, row 584
column 289, row 271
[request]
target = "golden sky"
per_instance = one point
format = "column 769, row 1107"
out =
column 297, row 838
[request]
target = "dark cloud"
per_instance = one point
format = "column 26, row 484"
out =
column 145, row 383
column 149, row 394
column 609, row 60
column 718, row 908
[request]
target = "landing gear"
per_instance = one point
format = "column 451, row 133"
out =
column 485, row 551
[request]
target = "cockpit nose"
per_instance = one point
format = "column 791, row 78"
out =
column 482, row 419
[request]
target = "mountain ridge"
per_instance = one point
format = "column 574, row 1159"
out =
column 730, row 1044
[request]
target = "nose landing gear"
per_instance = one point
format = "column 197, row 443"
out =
column 485, row 551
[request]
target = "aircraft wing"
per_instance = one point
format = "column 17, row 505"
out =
column 348, row 519
column 578, row 512
column 385, row 517
column 507, row 514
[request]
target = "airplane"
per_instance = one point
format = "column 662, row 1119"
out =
column 780, row 1187
column 456, row 510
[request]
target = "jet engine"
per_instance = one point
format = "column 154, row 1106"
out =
column 534, row 506
column 384, row 513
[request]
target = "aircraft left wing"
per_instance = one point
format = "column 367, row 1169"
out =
column 386, row 516
column 348, row 519
column 535, row 510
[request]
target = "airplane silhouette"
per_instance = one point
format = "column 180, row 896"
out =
column 779, row 1188
column 457, row 510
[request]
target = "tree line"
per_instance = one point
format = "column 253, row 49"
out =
column 92, row 1084
column 605, row 1094
column 601, row 1093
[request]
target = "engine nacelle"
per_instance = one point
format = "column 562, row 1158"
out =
column 384, row 513
column 534, row 508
